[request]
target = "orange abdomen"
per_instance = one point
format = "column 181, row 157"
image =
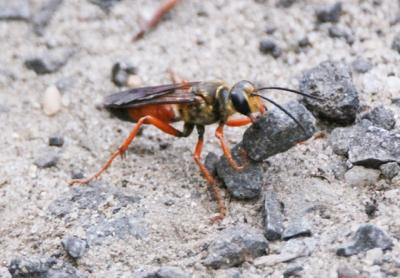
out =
column 165, row 112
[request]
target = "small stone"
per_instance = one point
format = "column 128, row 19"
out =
column 51, row 101
column 341, row 32
column 42, row 18
column 14, row 10
column 47, row 160
column 269, row 46
column 56, row 141
column 329, row 13
column 75, row 247
column 49, row 62
column 171, row 272
column 276, row 132
column 396, row 43
column 380, row 117
column 367, row 237
column 120, row 73
column 211, row 163
column 361, row 65
column 293, row 271
column 390, row 170
column 286, row 3
column 244, row 184
column 234, row 246
column 228, row 273
column 304, row 42
column 371, row 207
column 360, row 176
column 105, row 5
column 347, row 272
column 77, row 174
column 273, row 217
column 297, row 228
column 331, row 81
column 374, row 256
column 134, row 81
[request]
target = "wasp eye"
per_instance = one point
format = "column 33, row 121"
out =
column 239, row 101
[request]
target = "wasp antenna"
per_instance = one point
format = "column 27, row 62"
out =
column 284, row 110
column 289, row 90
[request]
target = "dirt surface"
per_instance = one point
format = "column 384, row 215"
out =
column 199, row 40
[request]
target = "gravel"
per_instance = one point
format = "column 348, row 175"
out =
column 273, row 216
column 47, row 159
column 235, row 245
column 361, row 176
column 296, row 228
column 332, row 82
column 390, row 170
column 361, row 65
column 50, row 61
column 43, row 16
column 14, row 10
column 381, row 117
column 121, row 71
column 367, row 237
column 342, row 32
column 276, row 132
column 75, row 247
column 329, row 12
column 56, row 141
column 269, row 46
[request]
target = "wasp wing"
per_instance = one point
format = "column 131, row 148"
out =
column 163, row 94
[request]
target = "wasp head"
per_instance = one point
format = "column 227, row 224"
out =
column 244, row 101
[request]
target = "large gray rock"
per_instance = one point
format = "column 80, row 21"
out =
column 235, row 245
column 367, row 237
column 244, row 184
column 276, row 132
column 366, row 145
column 332, row 82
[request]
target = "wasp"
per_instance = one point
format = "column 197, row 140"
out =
column 197, row 104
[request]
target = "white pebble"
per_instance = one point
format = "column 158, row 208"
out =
column 51, row 101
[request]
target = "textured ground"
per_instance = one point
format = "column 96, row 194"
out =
column 200, row 40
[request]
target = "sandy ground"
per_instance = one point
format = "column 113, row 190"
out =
column 200, row 40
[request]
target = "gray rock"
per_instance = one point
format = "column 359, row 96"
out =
column 341, row 32
column 367, row 237
column 4, row 273
column 171, row 272
column 276, row 132
column 56, row 141
column 75, row 247
column 293, row 271
column 273, row 217
column 105, row 5
column 269, row 46
column 120, row 73
column 14, row 10
column 347, row 272
column 49, row 62
column 297, row 228
column 211, row 163
column 286, row 3
column 42, row 17
column 244, row 184
column 329, row 13
column 42, row 268
column 361, row 65
column 234, row 246
column 396, row 43
column 228, row 273
column 332, row 82
column 47, row 159
column 120, row 228
column 390, row 170
column 360, row 176
column 380, row 117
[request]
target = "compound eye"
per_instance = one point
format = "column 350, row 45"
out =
column 239, row 101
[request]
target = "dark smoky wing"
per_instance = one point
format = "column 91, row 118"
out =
column 130, row 97
column 177, row 97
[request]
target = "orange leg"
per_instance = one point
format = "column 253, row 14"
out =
column 238, row 122
column 165, row 8
column 122, row 149
column 211, row 181
column 219, row 133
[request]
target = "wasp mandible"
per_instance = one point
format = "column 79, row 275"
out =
column 197, row 104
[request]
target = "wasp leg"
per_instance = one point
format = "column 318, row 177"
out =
column 211, row 181
column 238, row 122
column 124, row 146
column 219, row 133
column 165, row 8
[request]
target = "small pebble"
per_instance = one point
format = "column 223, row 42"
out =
column 56, row 141
column 269, row 46
column 293, row 271
column 345, row 33
column 47, row 160
column 171, row 272
column 390, row 170
column 396, row 43
column 381, row 117
column 49, row 62
column 329, row 13
column 361, row 65
column 273, row 217
column 105, row 5
column 134, row 81
column 75, row 247
column 297, row 228
column 121, row 73
column 51, row 101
